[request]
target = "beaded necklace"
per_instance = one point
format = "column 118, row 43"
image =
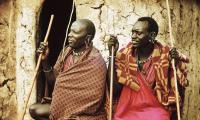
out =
column 77, row 53
column 141, row 62
column 144, row 61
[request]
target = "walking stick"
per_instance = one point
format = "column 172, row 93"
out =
column 111, row 84
column 21, row 116
column 112, row 64
column 66, row 33
column 173, row 62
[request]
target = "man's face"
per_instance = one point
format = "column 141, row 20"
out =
column 140, row 33
column 77, row 35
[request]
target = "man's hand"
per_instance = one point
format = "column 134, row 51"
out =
column 112, row 41
column 174, row 54
column 44, row 50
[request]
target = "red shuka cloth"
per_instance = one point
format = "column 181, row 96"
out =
column 142, row 104
column 80, row 87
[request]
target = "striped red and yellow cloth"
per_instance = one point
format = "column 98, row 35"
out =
column 164, row 75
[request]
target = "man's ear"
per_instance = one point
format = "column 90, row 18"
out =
column 152, row 35
column 89, row 38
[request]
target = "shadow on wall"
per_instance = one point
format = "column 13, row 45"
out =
column 2, row 1
column 193, row 1
column 198, row 2
column 61, row 11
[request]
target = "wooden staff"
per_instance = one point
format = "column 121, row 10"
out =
column 173, row 62
column 21, row 116
column 111, row 84
column 66, row 33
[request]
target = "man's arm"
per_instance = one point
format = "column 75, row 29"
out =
column 180, row 63
column 49, row 73
column 47, row 69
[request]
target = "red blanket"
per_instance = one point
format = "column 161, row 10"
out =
column 79, row 91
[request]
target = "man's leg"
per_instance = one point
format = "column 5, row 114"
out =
column 39, row 111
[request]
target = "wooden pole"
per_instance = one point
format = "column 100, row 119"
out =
column 173, row 62
column 111, row 85
column 21, row 116
column 66, row 33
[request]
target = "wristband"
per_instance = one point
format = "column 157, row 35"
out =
column 48, row 70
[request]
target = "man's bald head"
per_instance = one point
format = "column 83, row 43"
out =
column 81, row 33
column 89, row 25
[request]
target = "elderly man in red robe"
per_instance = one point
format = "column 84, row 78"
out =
column 79, row 76
column 143, row 74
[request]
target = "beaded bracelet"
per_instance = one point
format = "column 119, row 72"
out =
column 49, row 70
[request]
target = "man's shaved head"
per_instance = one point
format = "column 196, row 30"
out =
column 89, row 26
column 82, row 32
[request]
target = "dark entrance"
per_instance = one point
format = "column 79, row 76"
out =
column 61, row 10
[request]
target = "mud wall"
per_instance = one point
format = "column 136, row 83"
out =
column 18, row 26
column 7, row 63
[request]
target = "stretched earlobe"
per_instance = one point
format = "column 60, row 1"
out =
column 152, row 37
column 88, row 40
column 153, row 34
column 89, row 37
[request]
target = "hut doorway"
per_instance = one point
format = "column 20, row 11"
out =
column 61, row 10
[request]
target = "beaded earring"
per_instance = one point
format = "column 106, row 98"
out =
column 152, row 37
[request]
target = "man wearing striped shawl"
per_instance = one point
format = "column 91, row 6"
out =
column 144, row 76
